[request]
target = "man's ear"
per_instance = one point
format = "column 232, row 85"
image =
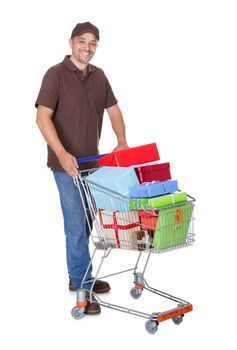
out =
column 70, row 43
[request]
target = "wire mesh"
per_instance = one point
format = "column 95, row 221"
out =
column 126, row 223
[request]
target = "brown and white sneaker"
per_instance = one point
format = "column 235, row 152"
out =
column 99, row 287
column 92, row 307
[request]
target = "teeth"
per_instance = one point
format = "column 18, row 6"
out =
column 85, row 53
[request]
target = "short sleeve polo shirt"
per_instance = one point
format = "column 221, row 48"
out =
column 78, row 103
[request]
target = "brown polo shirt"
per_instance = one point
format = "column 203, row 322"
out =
column 78, row 103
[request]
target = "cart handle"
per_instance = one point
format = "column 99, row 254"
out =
column 193, row 199
column 91, row 158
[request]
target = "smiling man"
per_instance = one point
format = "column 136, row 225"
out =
column 83, row 49
column 70, row 105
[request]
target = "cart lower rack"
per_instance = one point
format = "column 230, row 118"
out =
column 124, row 223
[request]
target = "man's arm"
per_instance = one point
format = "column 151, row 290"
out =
column 118, row 126
column 46, row 126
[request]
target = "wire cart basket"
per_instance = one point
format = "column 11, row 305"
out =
column 139, row 227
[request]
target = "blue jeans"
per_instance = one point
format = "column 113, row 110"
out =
column 76, row 230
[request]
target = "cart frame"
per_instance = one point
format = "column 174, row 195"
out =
column 140, row 284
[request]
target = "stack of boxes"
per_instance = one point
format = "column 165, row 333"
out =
column 139, row 205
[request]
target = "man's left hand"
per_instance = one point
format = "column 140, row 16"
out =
column 121, row 146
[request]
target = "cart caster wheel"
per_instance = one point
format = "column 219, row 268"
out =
column 151, row 326
column 178, row 319
column 77, row 313
column 135, row 293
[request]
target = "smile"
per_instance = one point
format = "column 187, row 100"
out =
column 86, row 54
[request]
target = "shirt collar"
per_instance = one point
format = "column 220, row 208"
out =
column 71, row 66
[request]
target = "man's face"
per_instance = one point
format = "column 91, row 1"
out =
column 83, row 47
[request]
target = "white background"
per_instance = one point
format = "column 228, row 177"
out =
column 172, row 66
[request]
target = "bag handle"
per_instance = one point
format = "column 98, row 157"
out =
column 179, row 216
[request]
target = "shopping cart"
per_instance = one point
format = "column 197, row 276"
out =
column 138, row 227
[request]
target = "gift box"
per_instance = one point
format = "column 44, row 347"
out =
column 131, row 156
column 172, row 226
column 144, row 239
column 168, row 199
column 120, row 229
column 148, row 219
column 152, row 189
column 154, row 172
column 108, row 185
column 157, row 202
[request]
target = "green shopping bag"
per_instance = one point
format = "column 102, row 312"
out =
column 172, row 226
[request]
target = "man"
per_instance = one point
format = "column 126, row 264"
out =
column 70, row 108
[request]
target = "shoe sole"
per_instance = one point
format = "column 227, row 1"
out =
column 93, row 312
column 101, row 290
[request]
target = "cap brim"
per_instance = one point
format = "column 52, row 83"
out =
column 85, row 31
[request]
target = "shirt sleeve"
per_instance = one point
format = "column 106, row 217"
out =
column 110, row 98
column 49, row 92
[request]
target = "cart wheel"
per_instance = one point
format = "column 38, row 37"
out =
column 135, row 293
column 77, row 313
column 151, row 326
column 178, row 319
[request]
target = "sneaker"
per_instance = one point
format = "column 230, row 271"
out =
column 92, row 308
column 99, row 287
column 71, row 287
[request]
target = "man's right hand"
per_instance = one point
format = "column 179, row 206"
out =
column 69, row 163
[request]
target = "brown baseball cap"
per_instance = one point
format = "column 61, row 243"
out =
column 85, row 27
